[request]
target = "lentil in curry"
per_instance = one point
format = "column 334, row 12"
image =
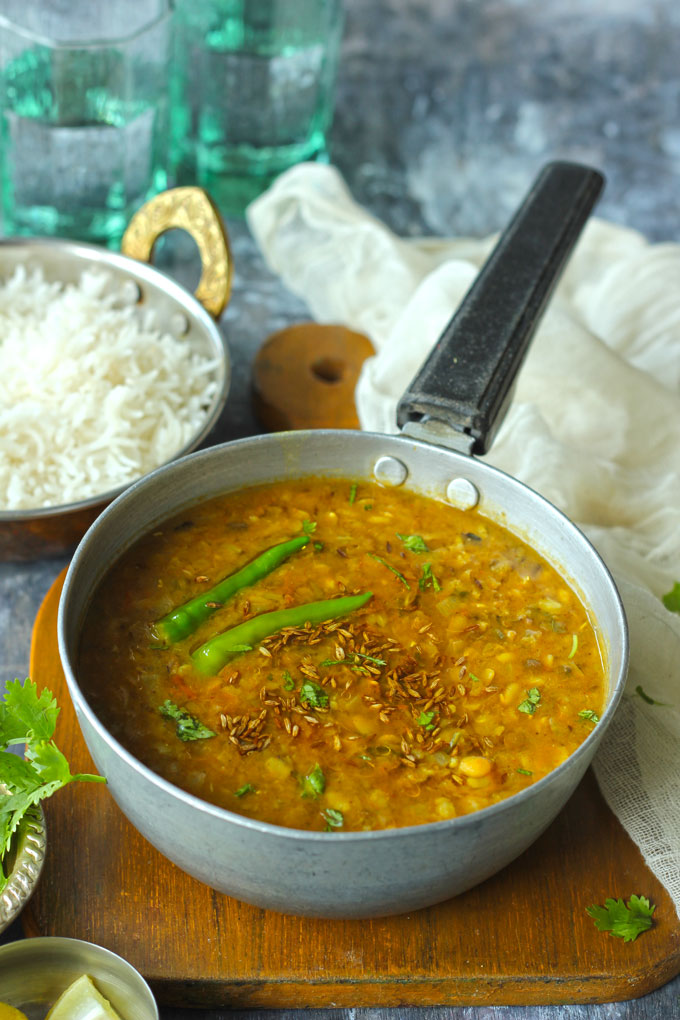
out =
column 449, row 668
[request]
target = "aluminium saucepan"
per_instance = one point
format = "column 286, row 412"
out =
column 362, row 874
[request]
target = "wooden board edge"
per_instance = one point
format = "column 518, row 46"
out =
column 414, row 992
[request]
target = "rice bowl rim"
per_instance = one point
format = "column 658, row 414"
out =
column 88, row 256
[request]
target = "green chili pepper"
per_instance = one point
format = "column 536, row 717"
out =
column 183, row 621
column 214, row 654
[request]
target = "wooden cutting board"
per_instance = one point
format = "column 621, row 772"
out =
column 522, row 937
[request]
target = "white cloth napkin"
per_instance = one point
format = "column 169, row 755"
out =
column 594, row 426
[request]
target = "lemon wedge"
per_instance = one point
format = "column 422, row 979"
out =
column 11, row 1012
column 81, row 1001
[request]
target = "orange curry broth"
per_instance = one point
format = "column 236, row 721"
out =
column 454, row 687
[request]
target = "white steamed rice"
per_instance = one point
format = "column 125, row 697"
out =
column 92, row 396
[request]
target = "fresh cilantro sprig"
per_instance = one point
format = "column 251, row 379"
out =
column 623, row 920
column 29, row 718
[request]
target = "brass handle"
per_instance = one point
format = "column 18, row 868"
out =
column 193, row 210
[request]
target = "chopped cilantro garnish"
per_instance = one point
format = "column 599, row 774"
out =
column 524, row 772
column 314, row 784
column 309, row 527
column 624, row 921
column 527, row 707
column 532, row 700
column 334, row 819
column 475, row 679
column 313, row 695
column 369, row 658
column 243, row 790
column 574, row 646
column 587, row 713
column 390, row 567
column 29, row 718
column 352, row 660
column 188, row 726
column 425, row 720
column 368, row 506
column 671, row 599
column 428, row 578
column 645, row 697
column 414, row 543
column 353, row 492
column 288, row 682
column 318, row 546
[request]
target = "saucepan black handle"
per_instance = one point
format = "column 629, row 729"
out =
column 466, row 382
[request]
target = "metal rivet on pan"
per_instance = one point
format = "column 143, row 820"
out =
column 462, row 493
column 179, row 324
column 390, row 471
column 130, row 293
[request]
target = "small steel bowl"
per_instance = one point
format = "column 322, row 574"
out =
column 26, row 857
column 34, row 973
column 55, row 530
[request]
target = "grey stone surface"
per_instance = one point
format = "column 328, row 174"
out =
column 446, row 109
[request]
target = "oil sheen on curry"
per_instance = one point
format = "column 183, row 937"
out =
column 330, row 655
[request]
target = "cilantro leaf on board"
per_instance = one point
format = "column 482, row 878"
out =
column 671, row 599
column 646, row 698
column 623, row 921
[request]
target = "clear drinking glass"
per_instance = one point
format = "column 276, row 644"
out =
column 252, row 91
column 84, row 114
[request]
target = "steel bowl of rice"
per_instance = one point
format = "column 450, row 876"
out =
column 108, row 369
